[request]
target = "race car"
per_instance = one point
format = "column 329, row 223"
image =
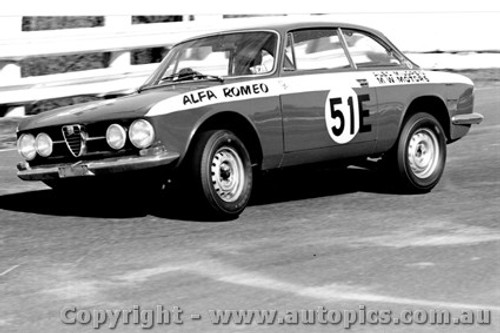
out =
column 222, row 107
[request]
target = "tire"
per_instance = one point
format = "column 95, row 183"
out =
column 222, row 173
column 420, row 154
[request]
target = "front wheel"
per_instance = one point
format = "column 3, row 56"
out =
column 420, row 153
column 222, row 172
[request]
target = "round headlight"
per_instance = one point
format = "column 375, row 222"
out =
column 26, row 146
column 43, row 144
column 116, row 136
column 141, row 133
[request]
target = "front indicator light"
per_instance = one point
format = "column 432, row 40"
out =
column 26, row 146
column 141, row 133
column 116, row 136
column 43, row 145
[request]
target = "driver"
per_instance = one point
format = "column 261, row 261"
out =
column 247, row 61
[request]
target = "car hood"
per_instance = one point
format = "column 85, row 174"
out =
column 135, row 105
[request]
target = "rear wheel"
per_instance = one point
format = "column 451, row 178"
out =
column 222, row 173
column 420, row 153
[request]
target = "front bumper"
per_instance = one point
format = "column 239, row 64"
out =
column 94, row 168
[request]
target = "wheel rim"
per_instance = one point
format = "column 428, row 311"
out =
column 423, row 153
column 227, row 174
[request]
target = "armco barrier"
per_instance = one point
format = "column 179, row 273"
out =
column 120, row 37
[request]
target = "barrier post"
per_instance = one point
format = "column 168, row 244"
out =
column 119, row 59
column 10, row 70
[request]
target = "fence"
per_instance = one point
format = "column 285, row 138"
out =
column 120, row 37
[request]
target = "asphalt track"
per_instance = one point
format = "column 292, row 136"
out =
column 338, row 239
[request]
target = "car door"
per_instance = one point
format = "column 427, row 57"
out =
column 329, row 110
column 393, row 75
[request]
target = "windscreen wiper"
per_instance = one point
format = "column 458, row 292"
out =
column 190, row 76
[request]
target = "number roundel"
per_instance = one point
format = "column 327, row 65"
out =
column 342, row 115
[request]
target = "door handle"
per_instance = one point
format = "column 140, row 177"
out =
column 363, row 82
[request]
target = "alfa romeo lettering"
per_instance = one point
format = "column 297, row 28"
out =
column 225, row 93
column 249, row 89
column 201, row 96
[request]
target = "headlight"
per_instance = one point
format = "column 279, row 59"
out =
column 26, row 146
column 141, row 133
column 116, row 136
column 43, row 144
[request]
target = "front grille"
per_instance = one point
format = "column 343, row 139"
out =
column 75, row 139
column 85, row 142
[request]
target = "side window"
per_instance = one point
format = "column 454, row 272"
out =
column 289, row 59
column 314, row 49
column 202, row 59
column 367, row 52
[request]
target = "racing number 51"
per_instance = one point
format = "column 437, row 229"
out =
column 363, row 113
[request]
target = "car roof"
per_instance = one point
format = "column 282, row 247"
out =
column 283, row 24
